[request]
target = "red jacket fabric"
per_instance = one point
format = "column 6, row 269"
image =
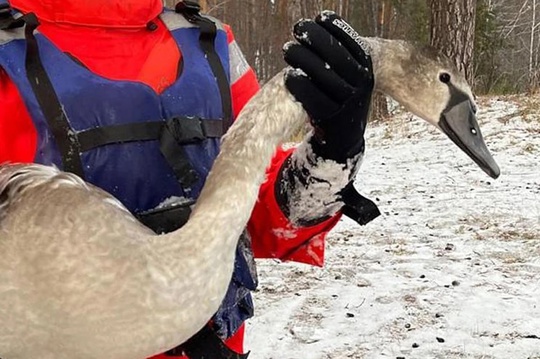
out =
column 112, row 40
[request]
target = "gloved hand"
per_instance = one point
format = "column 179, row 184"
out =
column 332, row 77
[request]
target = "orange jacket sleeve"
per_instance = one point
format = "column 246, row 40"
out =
column 17, row 132
column 274, row 236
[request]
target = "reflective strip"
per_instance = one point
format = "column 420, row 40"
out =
column 10, row 35
column 238, row 63
column 175, row 21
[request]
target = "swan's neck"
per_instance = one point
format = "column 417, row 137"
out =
column 387, row 57
column 232, row 186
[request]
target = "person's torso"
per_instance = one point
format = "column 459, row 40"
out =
column 135, row 172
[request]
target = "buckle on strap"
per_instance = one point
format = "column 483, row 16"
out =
column 186, row 130
column 10, row 19
column 171, row 140
column 188, row 7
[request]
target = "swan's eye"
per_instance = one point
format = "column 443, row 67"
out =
column 445, row 77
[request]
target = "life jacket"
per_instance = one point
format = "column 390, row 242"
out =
column 151, row 151
column 112, row 157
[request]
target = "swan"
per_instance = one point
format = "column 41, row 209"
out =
column 80, row 277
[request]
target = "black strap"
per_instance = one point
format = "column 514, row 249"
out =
column 358, row 207
column 205, row 345
column 65, row 137
column 191, row 11
column 172, row 134
column 187, row 130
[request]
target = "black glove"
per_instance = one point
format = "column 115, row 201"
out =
column 332, row 77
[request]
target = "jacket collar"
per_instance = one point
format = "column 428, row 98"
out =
column 99, row 13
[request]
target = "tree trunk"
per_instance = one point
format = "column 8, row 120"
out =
column 384, row 22
column 452, row 31
column 533, row 64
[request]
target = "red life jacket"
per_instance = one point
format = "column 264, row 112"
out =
column 99, row 13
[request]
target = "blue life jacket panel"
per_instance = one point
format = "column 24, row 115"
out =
column 134, row 172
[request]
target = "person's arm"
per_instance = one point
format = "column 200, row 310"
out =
column 17, row 132
column 271, row 231
column 274, row 234
column 332, row 77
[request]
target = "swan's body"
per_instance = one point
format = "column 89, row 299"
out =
column 81, row 278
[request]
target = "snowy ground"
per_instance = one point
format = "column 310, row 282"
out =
column 451, row 269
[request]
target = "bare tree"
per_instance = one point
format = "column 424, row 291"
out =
column 511, row 63
column 519, row 28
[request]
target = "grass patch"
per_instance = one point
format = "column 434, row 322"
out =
column 485, row 228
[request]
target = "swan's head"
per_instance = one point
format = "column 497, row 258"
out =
column 429, row 85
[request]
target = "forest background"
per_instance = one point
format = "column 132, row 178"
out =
column 495, row 42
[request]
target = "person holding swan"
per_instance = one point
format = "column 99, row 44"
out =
column 134, row 98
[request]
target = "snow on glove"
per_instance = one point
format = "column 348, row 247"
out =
column 332, row 77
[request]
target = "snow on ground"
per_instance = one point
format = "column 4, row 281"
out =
column 451, row 269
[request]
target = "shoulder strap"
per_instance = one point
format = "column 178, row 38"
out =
column 65, row 138
column 191, row 11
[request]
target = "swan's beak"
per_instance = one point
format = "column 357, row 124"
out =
column 459, row 123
